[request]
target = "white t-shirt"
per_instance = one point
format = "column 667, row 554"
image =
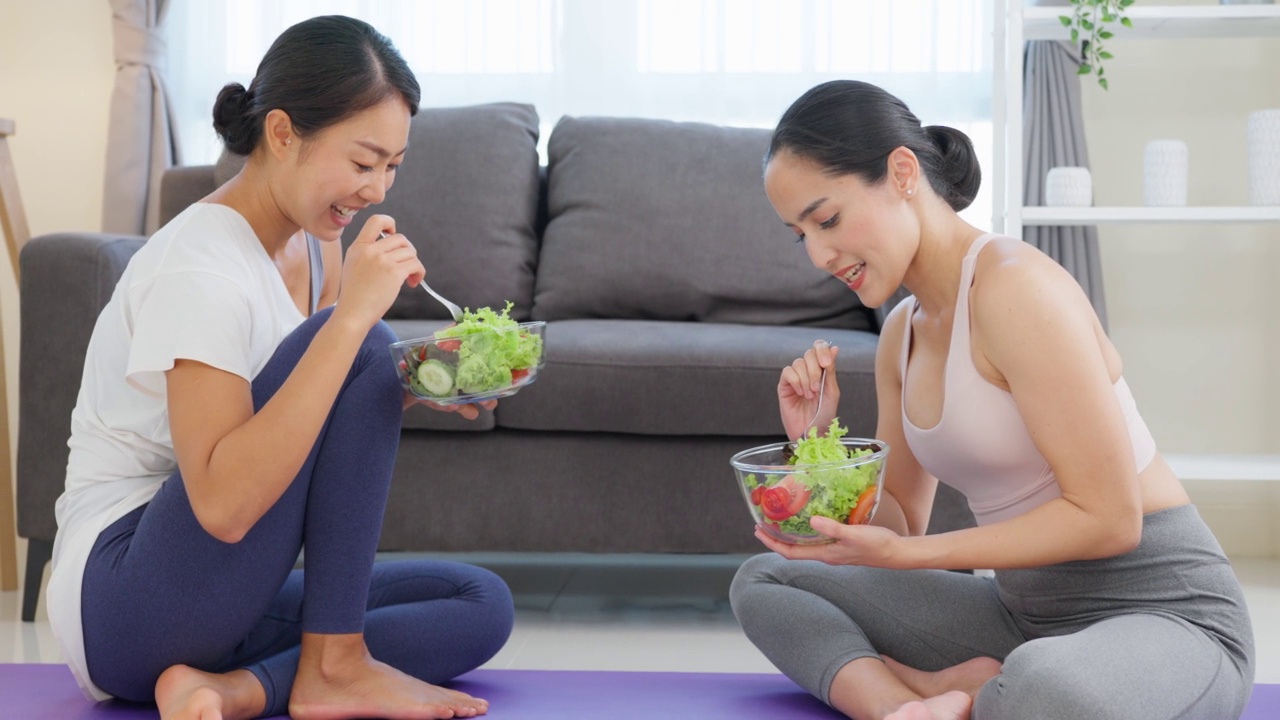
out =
column 202, row 288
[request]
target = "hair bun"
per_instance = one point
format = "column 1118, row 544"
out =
column 960, row 168
column 233, row 118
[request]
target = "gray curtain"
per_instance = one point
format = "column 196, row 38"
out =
column 141, row 143
column 1053, row 136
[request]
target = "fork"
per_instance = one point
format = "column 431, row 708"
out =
column 454, row 310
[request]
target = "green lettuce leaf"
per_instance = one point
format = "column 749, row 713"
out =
column 835, row 490
column 492, row 346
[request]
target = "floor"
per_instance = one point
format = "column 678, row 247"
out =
column 643, row 613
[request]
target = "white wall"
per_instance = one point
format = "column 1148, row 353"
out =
column 1195, row 309
column 56, row 72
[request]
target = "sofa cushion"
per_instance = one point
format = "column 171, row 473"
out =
column 661, row 220
column 421, row 417
column 467, row 197
column 675, row 378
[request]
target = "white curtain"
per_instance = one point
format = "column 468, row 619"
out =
column 731, row 62
column 141, row 141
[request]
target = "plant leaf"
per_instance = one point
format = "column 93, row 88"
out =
column 1086, row 24
column 1126, row 22
column 1085, row 69
column 1103, row 83
column 1105, row 55
column 1075, row 35
column 1106, row 35
column 1065, row 20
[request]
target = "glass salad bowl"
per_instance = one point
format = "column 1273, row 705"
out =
column 484, row 357
column 783, row 491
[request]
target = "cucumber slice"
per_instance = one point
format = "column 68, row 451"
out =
column 436, row 378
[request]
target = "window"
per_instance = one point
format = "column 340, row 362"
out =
column 732, row 62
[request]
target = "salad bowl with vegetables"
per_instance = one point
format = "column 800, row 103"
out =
column 485, row 356
column 786, row 484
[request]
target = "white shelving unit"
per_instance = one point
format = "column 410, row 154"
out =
column 1120, row 215
column 1016, row 22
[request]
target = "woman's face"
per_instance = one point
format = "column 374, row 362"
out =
column 865, row 235
column 347, row 167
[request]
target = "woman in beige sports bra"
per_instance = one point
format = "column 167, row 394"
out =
column 1111, row 598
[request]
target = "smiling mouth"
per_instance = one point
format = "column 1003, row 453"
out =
column 344, row 211
column 852, row 273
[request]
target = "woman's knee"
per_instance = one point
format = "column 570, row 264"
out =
column 379, row 337
column 1035, row 684
column 497, row 610
column 756, row 571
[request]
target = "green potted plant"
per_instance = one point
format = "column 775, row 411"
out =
column 1088, row 22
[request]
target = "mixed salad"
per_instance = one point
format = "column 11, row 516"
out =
column 844, row 494
column 485, row 351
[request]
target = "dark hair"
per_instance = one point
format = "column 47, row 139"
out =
column 320, row 71
column 850, row 127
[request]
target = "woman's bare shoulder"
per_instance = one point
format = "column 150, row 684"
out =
column 1010, row 274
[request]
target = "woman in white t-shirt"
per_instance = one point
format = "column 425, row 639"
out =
column 228, row 417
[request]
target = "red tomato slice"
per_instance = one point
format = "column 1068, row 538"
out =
column 775, row 502
column 785, row 499
column 519, row 374
column 448, row 345
column 756, row 493
column 861, row 514
column 800, row 493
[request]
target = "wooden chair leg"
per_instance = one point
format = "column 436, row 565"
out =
column 13, row 224
column 39, row 552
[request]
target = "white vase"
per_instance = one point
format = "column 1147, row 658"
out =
column 1068, row 187
column 1164, row 173
column 1263, row 141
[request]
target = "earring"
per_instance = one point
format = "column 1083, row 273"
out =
column 287, row 141
column 910, row 192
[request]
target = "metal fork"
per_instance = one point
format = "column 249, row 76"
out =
column 454, row 310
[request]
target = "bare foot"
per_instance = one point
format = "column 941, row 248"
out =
column 350, row 684
column 184, row 693
column 955, row 705
column 968, row 676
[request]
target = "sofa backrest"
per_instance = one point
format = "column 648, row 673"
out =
column 631, row 218
column 467, row 197
column 659, row 220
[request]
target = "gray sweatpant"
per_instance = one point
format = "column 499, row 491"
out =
column 1159, row 633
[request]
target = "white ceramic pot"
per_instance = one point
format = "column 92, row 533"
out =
column 1164, row 173
column 1262, row 137
column 1068, row 187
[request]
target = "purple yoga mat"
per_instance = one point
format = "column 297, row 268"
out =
column 48, row 692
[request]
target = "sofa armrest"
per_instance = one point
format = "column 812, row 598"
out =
column 67, row 278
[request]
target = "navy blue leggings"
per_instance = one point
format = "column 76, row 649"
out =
column 159, row 590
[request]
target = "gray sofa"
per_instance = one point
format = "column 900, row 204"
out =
column 673, row 296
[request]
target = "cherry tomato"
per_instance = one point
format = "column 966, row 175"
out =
column 756, row 493
column 448, row 345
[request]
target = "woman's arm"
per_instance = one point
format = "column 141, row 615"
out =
column 906, row 501
column 236, row 464
column 1033, row 324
